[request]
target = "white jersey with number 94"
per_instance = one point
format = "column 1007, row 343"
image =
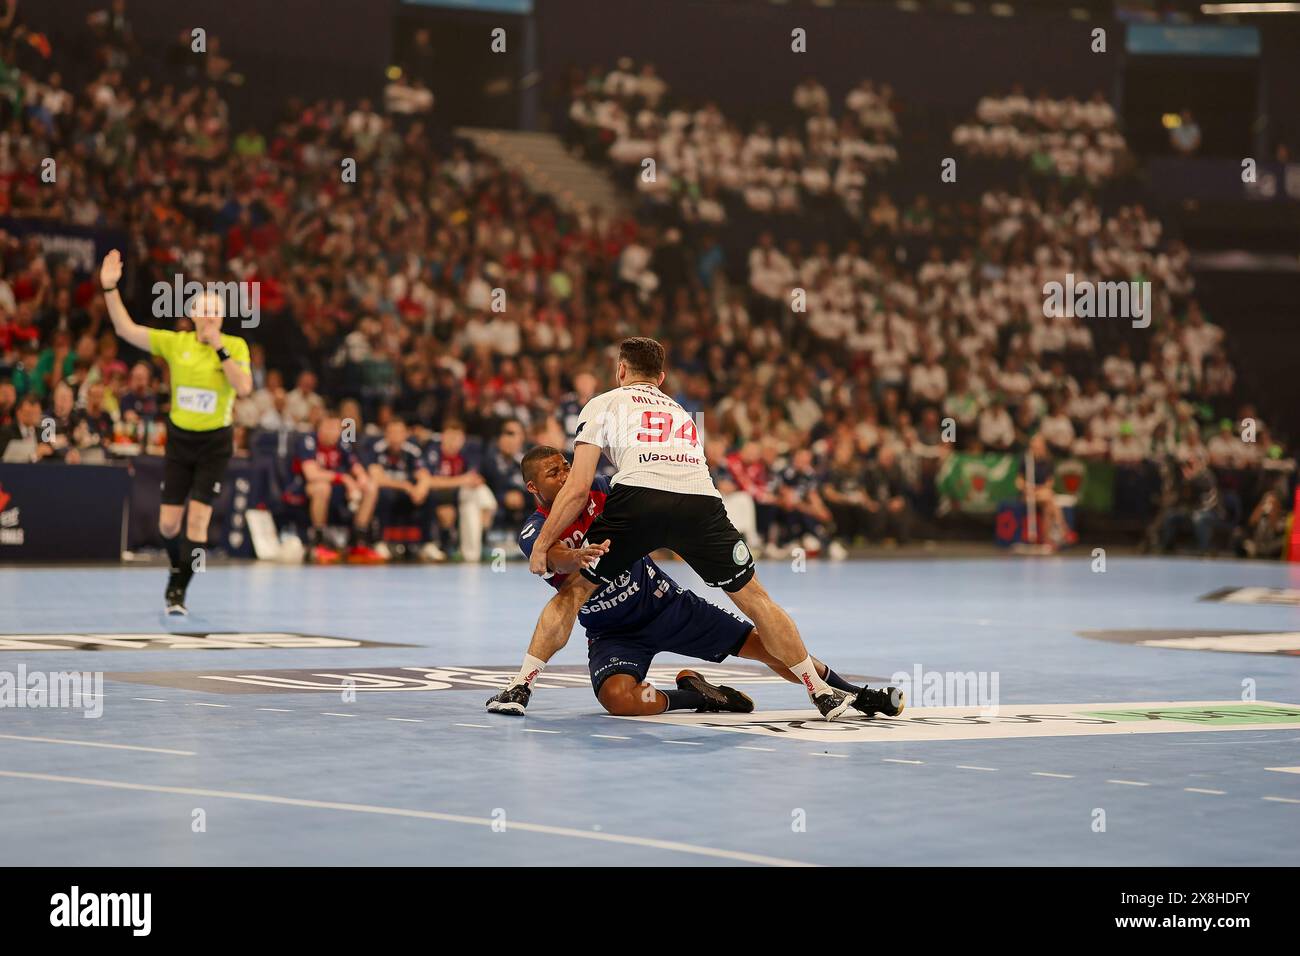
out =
column 651, row 440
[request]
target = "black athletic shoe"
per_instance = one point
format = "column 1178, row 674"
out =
column 718, row 699
column 889, row 701
column 833, row 705
column 513, row 700
column 175, row 598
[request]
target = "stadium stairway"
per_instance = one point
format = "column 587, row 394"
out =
column 548, row 168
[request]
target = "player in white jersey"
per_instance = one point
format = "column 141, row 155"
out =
column 662, row 496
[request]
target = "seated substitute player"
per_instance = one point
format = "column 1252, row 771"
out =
column 463, row 504
column 645, row 612
column 328, row 478
column 403, row 481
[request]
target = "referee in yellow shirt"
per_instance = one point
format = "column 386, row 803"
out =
column 208, row 370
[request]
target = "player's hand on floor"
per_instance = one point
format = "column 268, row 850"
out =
column 512, row 700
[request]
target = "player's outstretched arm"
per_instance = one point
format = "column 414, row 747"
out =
column 110, row 273
column 567, row 504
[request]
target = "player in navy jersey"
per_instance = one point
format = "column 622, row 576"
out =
column 641, row 613
column 463, row 505
column 404, row 483
column 328, row 479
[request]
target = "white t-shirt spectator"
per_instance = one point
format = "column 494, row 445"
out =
column 929, row 382
column 996, row 429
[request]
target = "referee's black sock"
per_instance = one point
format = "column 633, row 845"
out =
column 684, row 699
column 838, row 682
column 173, row 547
column 189, row 558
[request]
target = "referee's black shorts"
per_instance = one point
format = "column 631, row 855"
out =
column 637, row 521
column 195, row 463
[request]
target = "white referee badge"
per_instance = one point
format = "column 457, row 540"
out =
column 740, row 553
column 191, row 399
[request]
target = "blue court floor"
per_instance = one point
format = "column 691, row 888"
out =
column 269, row 753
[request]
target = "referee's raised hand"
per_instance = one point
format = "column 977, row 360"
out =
column 110, row 272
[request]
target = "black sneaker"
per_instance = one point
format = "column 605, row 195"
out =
column 513, row 700
column 832, row 705
column 718, row 699
column 889, row 701
column 175, row 597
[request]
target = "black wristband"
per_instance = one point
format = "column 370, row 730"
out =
column 222, row 353
column 107, row 291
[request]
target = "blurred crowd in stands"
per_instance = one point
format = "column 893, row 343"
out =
column 421, row 327
column 701, row 155
column 1062, row 138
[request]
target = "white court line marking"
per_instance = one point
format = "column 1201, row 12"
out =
column 533, row 730
column 684, row 743
column 1216, row 793
column 896, row 760
column 815, row 754
column 962, row 766
column 480, row 726
column 766, row 750
column 326, row 713
column 276, row 710
column 1284, row 769
column 407, row 720
column 201, row 703
column 1130, row 783
column 156, row 700
column 610, row 737
column 1282, row 799
column 674, row 845
column 1044, row 773
column 91, row 743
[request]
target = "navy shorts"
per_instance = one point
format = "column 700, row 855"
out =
column 296, row 495
column 689, row 626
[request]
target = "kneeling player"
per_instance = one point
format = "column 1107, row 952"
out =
column 643, row 613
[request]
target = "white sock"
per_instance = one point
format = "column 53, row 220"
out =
column 528, row 673
column 806, row 671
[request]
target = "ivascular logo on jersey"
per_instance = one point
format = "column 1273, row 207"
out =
column 655, row 456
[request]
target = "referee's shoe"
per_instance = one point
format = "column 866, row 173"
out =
column 175, row 599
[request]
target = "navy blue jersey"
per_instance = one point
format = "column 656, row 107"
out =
column 633, row 601
column 400, row 462
column 802, row 483
column 339, row 458
column 568, row 413
column 501, row 473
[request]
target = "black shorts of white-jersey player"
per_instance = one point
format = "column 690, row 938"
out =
column 644, row 613
column 662, row 497
column 208, row 370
